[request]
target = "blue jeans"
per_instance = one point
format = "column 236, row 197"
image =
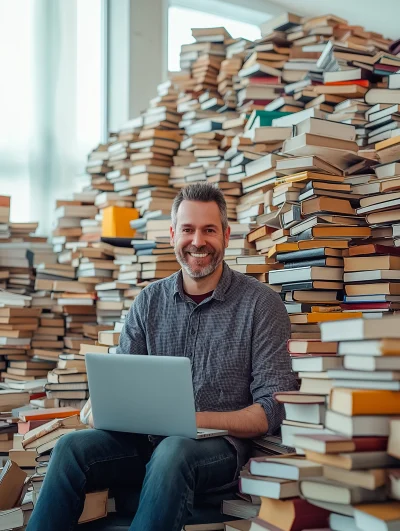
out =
column 167, row 477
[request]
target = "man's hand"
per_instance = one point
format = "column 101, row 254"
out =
column 244, row 423
column 86, row 414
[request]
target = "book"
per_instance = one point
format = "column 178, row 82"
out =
column 365, row 402
column 394, row 438
column 283, row 467
column 12, row 481
column 358, row 425
column 50, row 413
column 322, row 489
column 95, row 506
column 267, row 487
column 292, row 515
column 372, row 516
column 338, row 444
column 353, row 460
column 359, row 329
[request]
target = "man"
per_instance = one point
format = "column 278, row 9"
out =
column 234, row 330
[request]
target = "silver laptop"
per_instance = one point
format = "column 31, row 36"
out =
column 144, row 394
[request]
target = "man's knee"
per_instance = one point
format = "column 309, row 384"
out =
column 74, row 445
column 174, row 452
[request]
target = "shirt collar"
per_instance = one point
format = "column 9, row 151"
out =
column 220, row 290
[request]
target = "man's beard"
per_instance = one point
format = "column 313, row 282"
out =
column 216, row 259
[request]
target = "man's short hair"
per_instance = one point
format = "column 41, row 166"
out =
column 205, row 192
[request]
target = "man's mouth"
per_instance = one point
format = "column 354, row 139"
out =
column 199, row 255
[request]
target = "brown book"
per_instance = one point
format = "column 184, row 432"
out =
column 366, row 479
column 23, row 458
column 383, row 288
column 353, row 460
column 371, row 263
column 260, row 232
column 326, row 204
column 12, row 480
column 95, row 506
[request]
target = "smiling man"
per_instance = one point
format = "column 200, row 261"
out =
column 234, row 330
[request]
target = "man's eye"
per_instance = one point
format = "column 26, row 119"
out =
column 210, row 230
column 186, row 230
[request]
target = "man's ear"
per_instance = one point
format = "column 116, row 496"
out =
column 227, row 236
column 171, row 236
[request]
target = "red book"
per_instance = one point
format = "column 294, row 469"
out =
column 294, row 514
column 257, row 102
column 386, row 68
column 24, row 427
column 359, row 82
column 259, row 80
column 367, row 306
column 370, row 248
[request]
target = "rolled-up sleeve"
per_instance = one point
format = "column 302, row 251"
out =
column 271, row 365
column 133, row 336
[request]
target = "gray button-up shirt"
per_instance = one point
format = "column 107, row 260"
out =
column 235, row 339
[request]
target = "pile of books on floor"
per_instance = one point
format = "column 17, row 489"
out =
column 22, row 476
column 350, row 472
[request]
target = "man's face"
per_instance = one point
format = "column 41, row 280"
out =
column 198, row 239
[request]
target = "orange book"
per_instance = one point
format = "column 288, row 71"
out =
column 364, row 402
column 116, row 222
column 318, row 317
column 283, row 248
column 49, row 413
column 5, row 201
column 315, row 244
column 376, row 514
column 359, row 82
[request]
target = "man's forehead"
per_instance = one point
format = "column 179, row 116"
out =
column 198, row 208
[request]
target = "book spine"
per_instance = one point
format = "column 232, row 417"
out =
column 45, row 429
column 301, row 255
column 305, row 263
column 305, row 235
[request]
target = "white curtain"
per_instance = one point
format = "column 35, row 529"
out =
column 51, row 111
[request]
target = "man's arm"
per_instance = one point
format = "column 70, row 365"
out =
column 131, row 341
column 271, row 372
column 133, row 336
column 244, row 423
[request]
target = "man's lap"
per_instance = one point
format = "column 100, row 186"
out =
column 120, row 459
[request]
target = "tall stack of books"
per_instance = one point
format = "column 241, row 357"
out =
column 364, row 399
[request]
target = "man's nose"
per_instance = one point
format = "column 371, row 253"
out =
column 198, row 239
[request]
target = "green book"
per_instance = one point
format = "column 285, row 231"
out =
column 263, row 118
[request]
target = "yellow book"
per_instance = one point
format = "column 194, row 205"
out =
column 116, row 222
column 386, row 143
column 309, row 176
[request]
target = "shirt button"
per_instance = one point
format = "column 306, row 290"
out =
column 193, row 331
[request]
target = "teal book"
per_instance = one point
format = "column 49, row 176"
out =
column 263, row 118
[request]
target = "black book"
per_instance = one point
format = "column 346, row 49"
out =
column 297, row 307
column 306, row 285
column 306, row 254
column 306, row 263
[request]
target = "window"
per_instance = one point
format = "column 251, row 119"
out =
column 181, row 20
column 16, row 105
column 51, row 103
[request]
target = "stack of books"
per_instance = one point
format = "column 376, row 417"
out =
column 276, row 480
column 355, row 457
